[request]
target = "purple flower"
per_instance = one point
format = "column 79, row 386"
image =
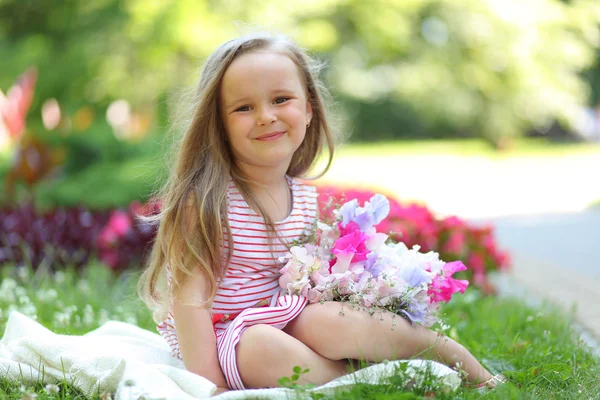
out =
column 374, row 211
column 348, row 211
column 414, row 276
column 371, row 263
column 416, row 310
column 364, row 220
column 378, row 207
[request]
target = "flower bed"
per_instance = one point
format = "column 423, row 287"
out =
column 72, row 236
column 452, row 238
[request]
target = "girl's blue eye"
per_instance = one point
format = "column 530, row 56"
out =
column 243, row 108
column 284, row 99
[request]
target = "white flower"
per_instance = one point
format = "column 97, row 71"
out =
column 8, row 283
column 29, row 396
column 88, row 315
column 300, row 255
column 376, row 241
column 451, row 381
column 29, row 310
column 47, row 296
column 59, row 277
column 20, row 291
column 23, row 273
column 329, row 235
column 52, row 389
column 7, row 290
column 62, row 319
column 83, row 286
column 103, row 316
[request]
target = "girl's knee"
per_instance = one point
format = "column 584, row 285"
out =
column 327, row 327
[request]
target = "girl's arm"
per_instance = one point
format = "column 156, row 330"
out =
column 197, row 341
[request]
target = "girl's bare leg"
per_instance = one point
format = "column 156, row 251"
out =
column 377, row 337
column 265, row 354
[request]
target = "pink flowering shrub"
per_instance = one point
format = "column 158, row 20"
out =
column 124, row 240
column 452, row 238
column 71, row 235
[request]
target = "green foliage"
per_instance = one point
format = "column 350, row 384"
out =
column 100, row 171
column 292, row 381
column 493, row 69
column 419, row 68
column 536, row 348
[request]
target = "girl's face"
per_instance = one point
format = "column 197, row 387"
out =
column 264, row 109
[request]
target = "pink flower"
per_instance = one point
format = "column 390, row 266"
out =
column 456, row 243
column 352, row 242
column 342, row 263
column 15, row 105
column 117, row 226
column 503, row 260
column 314, row 295
column 476, row 262
column 110, row 257
column 346, row 284
column 444, row 286
column 453, row 223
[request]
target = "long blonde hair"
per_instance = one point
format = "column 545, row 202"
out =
column 194, row 197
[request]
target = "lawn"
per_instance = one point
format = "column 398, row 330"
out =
column 536, row 348
column 522, row 147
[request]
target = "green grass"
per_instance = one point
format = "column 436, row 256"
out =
column 535, row 348
column 523, row 147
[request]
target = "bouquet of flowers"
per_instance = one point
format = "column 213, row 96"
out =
column 348, row 260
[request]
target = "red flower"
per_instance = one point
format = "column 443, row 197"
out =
column 415, row 224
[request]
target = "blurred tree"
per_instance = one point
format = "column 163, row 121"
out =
column 592, row 77
column 492, row 68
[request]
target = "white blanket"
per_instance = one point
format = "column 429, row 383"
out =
column 117, row 354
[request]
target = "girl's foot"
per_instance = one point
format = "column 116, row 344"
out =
column 491, row 383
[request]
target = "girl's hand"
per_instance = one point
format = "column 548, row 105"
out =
column 220, row 390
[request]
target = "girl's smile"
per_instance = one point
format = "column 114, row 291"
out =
column 268, row 137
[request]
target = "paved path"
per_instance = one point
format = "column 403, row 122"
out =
column 538, row 205
column 556, row 257
column 569, row 240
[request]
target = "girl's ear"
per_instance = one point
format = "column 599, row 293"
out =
column 308, row 112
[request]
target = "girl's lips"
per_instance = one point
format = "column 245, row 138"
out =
column 271, row 136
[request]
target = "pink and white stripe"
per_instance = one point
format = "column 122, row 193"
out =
column 253, row 275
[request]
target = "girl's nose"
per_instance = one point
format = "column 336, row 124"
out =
column 266, row 116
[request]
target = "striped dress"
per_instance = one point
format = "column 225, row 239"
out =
column 253, row 276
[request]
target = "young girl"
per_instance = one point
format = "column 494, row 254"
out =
column 232, row 207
